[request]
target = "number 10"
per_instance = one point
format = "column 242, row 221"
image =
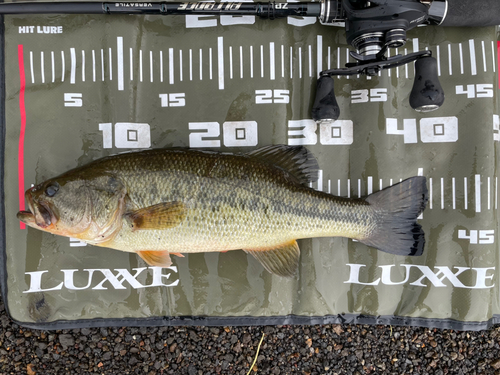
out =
column 127, row 135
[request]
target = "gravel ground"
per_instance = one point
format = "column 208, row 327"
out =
column 307, row 350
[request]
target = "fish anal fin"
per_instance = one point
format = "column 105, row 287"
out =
column 156, row 258
column 160, row 216
column 282, row 260
column 296, row 160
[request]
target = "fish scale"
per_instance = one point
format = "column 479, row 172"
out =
column 227, row 212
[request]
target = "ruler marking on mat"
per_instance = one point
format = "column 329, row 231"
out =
column 484, row 56
column 161, row 66
column 477, row 190
column 272, row 62
column 261, row 61
column 251, row 61
column 438, row 195
column 141, row 67
column 220, row 62
column 93, row 66
column 191, row 63
column 319, row 54
column 438, row 57
column 442, row 193
column 110, row 56
column 347, row 61
column 181, row 72
column 210, row 65
column 83, row 65
column 72, row 78
column 230, row 62
column 171, row 66
column 430, row 193
column 282, row 61
column 300, row 62
column 102, row 64
column 472, row 55
column 493, row 56
column 460, row 51
column 489, row 193
column 453, row 187
column 32, row 68
column 201, row 64
column 406, row 65
column 151, row 70
column 131, row 60
column 465, row 194
column 42, row 66
column 450, row 60
column 329, row 58
column 53, row 66
column 310, row 61
column 119, row 53
column 241, row 62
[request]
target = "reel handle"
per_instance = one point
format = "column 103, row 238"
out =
column 325, row 105
column 427, row 94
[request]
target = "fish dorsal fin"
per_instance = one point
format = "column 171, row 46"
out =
column 296, row 160
column 156, row 258
column 160, row 216
column 282, row 260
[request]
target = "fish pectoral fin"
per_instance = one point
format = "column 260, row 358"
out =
column 160, row 216
column 282, row 260
column 178, row 254
column 156, row 258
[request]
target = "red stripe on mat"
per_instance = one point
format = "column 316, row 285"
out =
column 22, row 110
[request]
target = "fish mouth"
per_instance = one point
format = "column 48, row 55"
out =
column 39, row 214
column 27, row 218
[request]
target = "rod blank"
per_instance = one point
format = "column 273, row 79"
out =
column 265, row 10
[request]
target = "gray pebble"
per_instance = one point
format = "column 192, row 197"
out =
column 66, row 340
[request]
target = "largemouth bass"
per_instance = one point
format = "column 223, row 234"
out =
column 161, row 202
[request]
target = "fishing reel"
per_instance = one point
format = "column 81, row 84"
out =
column 372, row 28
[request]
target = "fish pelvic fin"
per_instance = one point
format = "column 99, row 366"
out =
column 282, row 260
column 156, row 258
column 296, row 160
column 160, row 216
column 398, row 207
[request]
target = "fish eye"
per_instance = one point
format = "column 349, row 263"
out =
column 52, row 189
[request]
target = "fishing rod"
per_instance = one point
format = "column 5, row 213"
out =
column 372, row 28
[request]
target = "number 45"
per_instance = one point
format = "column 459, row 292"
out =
column 485, row 236
column 481, row 90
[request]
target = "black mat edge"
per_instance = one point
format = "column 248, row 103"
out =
column 3, row 252
column 264, row 321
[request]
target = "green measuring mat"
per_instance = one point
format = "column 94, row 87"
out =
column 81, row 87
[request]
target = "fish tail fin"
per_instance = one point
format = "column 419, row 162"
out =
column 398, row 208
